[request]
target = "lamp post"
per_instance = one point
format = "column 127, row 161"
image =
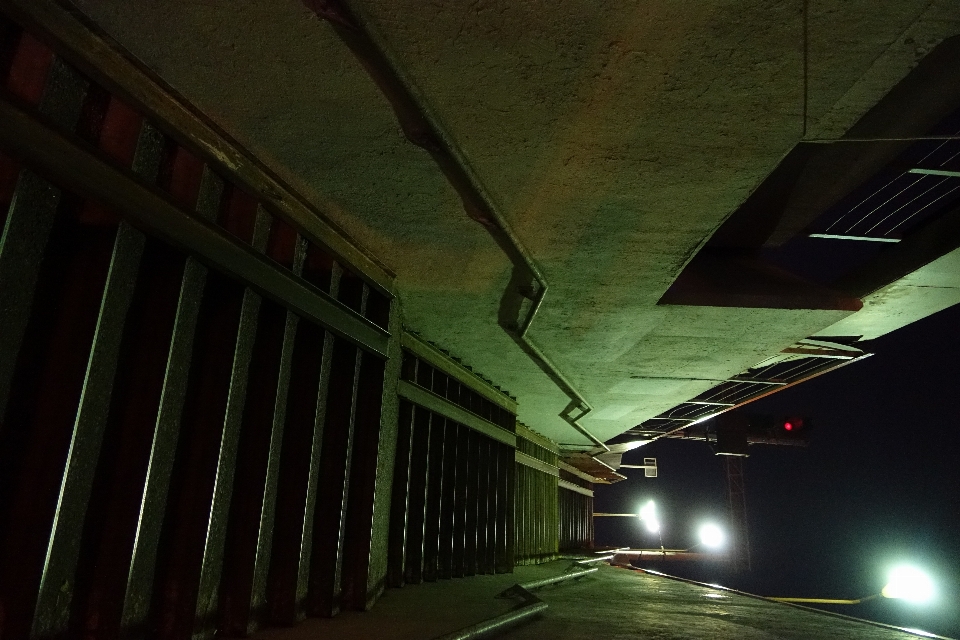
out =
column 647, row 515
column 711, row 536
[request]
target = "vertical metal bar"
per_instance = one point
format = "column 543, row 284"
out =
column 547, row 508
column 578, row 503
column 329, row 368
column 31, row 215
column 546, row 516
column 109, row 528
column 555, row 505
column 590, row 522
column 579, row 533
column 575, row 520
column 28, row 224
column 543, row 516
column 379, row 306
column 579, row 515
column 540, row 509
column 325, row 576
column 52, row 613
column 431, row 529
column 518, row 516
column 579, row 506
column 472, row 505
column 27, row 448
column 293, row 539
column 358, row 534
column 529, row 515
column 520, row 526
column 191, row 493
column 500, row 557
column 460, row 502
column 538, row 514
column 419, row 473
column 44, row 399
column 533, row 516
column 261, row 571
column 483, row 502
column 253, row 459
column 562, row 501
column 493, row 521
column 527, row 520
column 212, row 563
column 508, row 464
column 400, row 498
column 143, row 564
column 550, row 509
column 447, row 498
column 308, row 540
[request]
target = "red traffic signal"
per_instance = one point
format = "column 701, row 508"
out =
column 793, row 424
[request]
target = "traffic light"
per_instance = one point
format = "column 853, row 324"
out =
column 791, row 429
column 732, row 433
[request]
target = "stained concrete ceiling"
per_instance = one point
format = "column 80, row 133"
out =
column 614, row 137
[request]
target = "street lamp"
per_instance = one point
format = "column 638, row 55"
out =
column 648, row 515
column 905, row 583
column 910, row 584
column 711, row 536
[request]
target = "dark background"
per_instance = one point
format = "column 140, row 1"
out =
column 879, row 485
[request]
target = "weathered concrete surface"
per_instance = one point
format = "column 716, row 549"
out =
column 611, row 604
column 922, row 293
column 615, row 136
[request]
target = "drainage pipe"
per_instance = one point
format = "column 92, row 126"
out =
column 563, row 577
column 532, row 606
column 527, row 286
column 499, row 624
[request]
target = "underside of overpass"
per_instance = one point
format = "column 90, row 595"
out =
column 301, row 300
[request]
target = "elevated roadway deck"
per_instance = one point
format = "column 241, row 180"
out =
column 611, row 603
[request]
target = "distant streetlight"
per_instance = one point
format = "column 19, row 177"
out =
column 904, row 583
column 910, row 584
column 712, row 536
column 648, row 515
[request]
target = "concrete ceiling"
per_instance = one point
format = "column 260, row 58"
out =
column 614, row 137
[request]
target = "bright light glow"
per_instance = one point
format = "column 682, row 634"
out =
column 788, row 426
column 648, row 511
column 921, row 632
column 908, row 583
column 711, row 536
column 714, row 595
column 648, row 514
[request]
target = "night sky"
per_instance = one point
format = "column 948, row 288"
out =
column 878, row 485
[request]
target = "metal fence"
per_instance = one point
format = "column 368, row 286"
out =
column 453, row 501
column 187, row 374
